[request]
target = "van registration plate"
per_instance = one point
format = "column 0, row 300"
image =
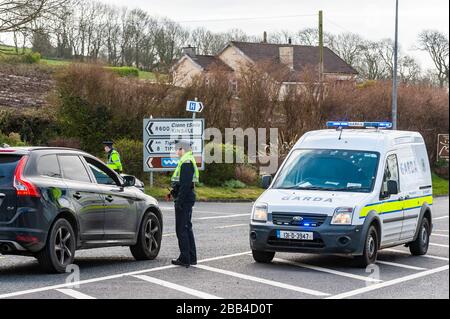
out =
column 296, row 235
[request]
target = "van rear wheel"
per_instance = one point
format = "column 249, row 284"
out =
column 370, row 252
column 263, row 256
column 420, row 245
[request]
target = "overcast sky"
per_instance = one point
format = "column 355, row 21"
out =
column 373, row 19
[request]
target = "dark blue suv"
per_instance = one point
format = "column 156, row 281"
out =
column 54, row 201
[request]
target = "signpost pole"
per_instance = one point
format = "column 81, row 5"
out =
column 151, row 173
column 193, row 113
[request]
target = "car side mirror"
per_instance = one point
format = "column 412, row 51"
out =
column 392, row 187
column 129, row 181
column 266, row 180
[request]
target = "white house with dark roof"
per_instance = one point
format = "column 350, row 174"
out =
column 237, row 55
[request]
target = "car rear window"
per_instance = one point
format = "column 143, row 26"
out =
column 8, row 165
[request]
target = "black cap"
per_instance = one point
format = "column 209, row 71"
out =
column 108, row 143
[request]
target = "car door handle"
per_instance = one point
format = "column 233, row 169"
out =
column 77, row 195
column 109, row 198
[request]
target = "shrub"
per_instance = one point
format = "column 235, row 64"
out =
column 36, row 127
column 13, row 139
column 247, row 174
column 29, row 58
column 131, row 154
column 125, row 71
column 234, row 183
column 215, row 174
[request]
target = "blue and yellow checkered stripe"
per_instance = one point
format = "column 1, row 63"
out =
column 393, row 206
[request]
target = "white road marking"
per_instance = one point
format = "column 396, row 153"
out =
column 438, row 245
column 389, row 263
column 263, row 281
column 220, row 217
column 439, row 235
column 88, row 281
column 75, row 294
column 408, row 253
column 327, row 270
column 442, row 217
column 183, row 289
column 388, row 283
column 169, row 234
column 230, row 226
column 441, row 230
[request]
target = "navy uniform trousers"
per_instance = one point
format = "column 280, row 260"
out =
column 185, row 234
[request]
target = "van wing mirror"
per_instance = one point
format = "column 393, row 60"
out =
column 129, row 181
column 266, row 180
column 392, row 187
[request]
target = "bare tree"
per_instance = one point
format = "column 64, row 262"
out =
column 16, row 15
column 436, row 44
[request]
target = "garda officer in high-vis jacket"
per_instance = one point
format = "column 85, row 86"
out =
column 114, row 162
column 183, row 182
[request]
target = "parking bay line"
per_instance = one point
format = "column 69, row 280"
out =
column 408, row 253
column 440, row 235
column 221, row 217
column 116, row 276
column 442, row 217
column 389, row 263
column 326, row 270
column 230, row 226
column 75, row 294
column 189, row 291
column 263, row 281
column 388, row 283
column 438, row 245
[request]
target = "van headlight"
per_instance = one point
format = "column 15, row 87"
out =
column 259, row 213
column 342, row 216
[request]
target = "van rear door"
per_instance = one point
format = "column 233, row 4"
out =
column 8, row 197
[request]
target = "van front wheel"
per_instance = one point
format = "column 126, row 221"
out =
column 263, row 256
column 370, row 252
column 420, row 245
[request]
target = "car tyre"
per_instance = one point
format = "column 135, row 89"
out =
column 370, row 251
column 59, row 251
column 263, row 256
column 420, row 246
column 149, row 238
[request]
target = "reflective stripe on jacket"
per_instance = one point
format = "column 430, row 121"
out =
column 185, row 158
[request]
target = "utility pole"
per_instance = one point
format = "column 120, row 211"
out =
column 320, row 59
column 394, row 75
column 320, row 46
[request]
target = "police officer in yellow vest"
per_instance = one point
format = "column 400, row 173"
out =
column 183, row 183
column 114, row 161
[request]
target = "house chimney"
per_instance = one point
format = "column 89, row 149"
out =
column 287, row 56
column 265, row 37
column 189, row 50
column 290, row 41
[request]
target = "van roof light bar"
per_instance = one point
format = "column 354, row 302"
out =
column 345, row 124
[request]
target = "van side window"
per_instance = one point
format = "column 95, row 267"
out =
column 390, row 174
column 48, row 166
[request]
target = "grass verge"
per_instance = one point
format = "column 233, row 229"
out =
column 205, row 193
column 440, row 185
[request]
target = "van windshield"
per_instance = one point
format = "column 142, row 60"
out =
column 331, row 170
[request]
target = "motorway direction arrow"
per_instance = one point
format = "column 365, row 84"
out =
column 166, row 163
column 194, row 106
column 167, row 145
column 174, row 127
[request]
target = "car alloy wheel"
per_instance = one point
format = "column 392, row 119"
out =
column 63, row 242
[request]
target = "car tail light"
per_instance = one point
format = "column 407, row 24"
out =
column 7, row 151
column 22, row 186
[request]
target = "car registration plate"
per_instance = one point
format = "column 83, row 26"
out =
column 296, row 235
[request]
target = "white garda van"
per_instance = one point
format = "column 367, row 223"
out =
column 349, row 191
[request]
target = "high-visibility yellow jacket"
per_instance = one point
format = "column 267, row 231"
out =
column 114, row 161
